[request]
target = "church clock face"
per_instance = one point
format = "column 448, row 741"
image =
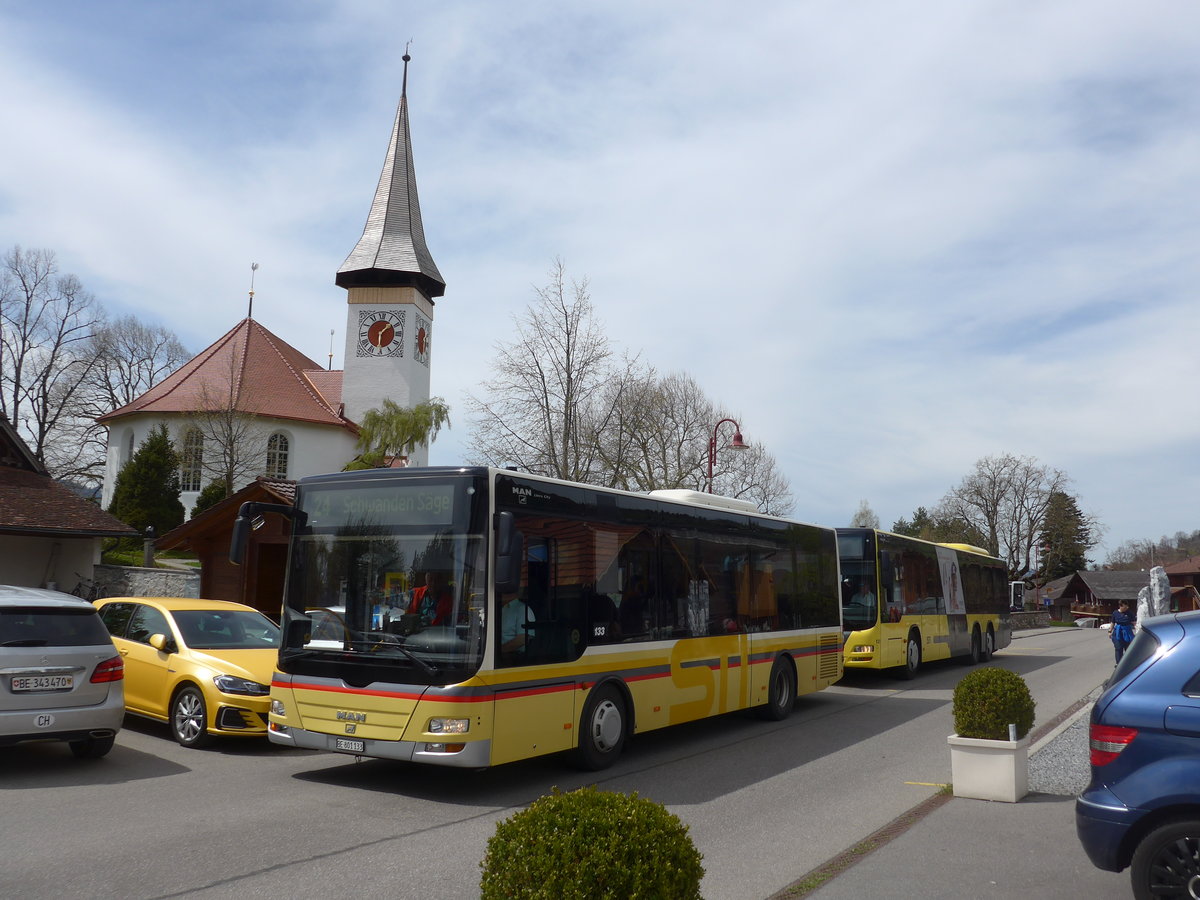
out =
column 380, row 333
column 421, row 341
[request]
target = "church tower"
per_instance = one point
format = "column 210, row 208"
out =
column 391, row 282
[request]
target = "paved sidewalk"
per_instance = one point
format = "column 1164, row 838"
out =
column 1001, row 851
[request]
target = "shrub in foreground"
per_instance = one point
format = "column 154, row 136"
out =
column 590, row 844
column 987, row 700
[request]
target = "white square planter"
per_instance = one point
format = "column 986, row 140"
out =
column 989, row 770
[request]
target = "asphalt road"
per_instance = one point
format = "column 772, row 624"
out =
column 766, row 802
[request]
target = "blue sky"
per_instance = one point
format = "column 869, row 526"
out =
column 891, row 237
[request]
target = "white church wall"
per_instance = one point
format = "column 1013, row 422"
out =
column 312, row 449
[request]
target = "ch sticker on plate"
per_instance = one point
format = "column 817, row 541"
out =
column 44, row 720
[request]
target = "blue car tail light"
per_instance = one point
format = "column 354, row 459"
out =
column 1107, row 742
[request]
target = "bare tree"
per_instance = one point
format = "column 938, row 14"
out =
column 134, row 357
column 546, row 401
column 46, row 324
column 130, row 358
column 658, row 438
column 1005, row 500
column 865, row 517
column 562, row 403
column 234, row 439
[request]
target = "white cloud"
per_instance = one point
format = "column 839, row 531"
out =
column 891, row 238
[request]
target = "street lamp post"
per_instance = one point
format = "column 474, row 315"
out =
column 738, row 444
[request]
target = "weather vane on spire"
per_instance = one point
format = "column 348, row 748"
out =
column 250, row 311
column 406, row 58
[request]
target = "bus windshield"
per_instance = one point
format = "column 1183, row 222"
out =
column 389, row 575
column 860, row 601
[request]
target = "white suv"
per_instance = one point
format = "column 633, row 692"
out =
column 61, row 678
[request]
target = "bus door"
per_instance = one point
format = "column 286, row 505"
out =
column 534, row 693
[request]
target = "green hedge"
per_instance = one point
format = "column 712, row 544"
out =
column 987, row 700
column 590, row 844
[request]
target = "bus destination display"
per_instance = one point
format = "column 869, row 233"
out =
column 410, row 504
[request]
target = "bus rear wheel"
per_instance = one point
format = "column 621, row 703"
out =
column 781, row 691
column 989, row 644
column 601, row 729
column 976, row 656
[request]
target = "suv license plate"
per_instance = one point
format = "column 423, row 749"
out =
column 349, row 746
column 43, row 682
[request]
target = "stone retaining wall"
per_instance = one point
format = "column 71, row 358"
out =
column 1039, row 619
column 132, row 581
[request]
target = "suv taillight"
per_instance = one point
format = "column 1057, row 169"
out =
column 109, row 670
column 1107, row 742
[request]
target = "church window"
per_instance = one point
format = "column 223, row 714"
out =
column 277, row 455
column 192, row 460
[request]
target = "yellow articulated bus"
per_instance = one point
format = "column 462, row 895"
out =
column 475, row 616
column 906, row 601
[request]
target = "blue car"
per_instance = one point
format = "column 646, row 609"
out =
column 1142, row 807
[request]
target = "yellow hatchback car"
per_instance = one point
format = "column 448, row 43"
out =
column 202, row 666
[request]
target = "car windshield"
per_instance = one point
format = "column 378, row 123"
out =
column 49, row 627
column 226, row 629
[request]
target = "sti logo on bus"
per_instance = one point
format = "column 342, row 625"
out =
column 345, row 716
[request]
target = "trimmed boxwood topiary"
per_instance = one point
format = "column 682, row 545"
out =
column 590, row 844
column 987, row 700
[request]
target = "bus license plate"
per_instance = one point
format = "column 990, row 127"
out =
column 349, row 746
column 42, row 682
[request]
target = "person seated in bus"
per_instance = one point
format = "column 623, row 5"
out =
column 634, row 610
column 433, row 601
column 515, row 614
column 864, row 598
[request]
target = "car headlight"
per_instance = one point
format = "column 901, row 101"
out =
column 231, row 684
column 449, row 726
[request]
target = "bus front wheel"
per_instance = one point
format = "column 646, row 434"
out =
column 602, row 729
column 781, row 691
column 989, row 644
column 912, row 657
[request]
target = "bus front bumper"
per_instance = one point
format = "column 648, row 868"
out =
column 473, row 755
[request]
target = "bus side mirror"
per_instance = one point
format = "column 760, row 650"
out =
column 237, row 541
column 250, row 518
column 508, row 554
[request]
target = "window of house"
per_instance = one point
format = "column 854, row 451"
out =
column 192, row 459
column 277, row 455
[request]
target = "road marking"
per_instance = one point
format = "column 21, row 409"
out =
column 936, row 784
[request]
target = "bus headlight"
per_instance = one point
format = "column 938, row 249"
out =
column 278, row 709
column 863, row 648
column 449, row 726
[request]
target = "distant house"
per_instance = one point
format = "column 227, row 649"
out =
column 258, row 582
column 49, row 535
column 1184, row 578
column 1097, row 594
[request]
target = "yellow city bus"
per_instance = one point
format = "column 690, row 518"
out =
column 906, row 601
column 475, row 616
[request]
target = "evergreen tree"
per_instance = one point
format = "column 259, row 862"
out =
column 919, row 527
column 147, row 488
column 214, row 492
column 1064, row 540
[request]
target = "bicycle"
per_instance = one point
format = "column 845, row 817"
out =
column 86, row 588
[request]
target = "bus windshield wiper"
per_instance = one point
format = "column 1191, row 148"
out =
column 390, row 642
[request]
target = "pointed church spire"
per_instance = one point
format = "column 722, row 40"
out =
column 392, row 251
